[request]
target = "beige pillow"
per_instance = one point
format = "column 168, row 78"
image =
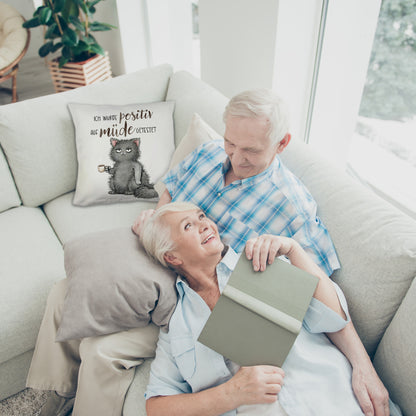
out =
column 113, row 286
column 198, row 133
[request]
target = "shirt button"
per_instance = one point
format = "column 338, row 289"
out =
column 219, row 194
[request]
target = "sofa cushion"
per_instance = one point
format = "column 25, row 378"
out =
column 374, row 241
column 9, row 197
column 113, row 286
column 43, row 126
column 31, row 260
column 70, row 221
column 121, row 150
column 134, row 404
column 192, row 95
column 198, row 133
column 394, row 359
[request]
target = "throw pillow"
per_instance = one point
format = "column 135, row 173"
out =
column 198, row 133
column 122, row 150
column 113, row 285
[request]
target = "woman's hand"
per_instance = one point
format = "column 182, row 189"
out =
column 141, row 219
column 264, row 249
column 255, row 385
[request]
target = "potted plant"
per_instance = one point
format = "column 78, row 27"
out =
column 68, row 29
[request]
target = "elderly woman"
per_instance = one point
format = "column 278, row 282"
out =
column 188, row 378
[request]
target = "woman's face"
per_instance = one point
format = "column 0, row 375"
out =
column 195, row 236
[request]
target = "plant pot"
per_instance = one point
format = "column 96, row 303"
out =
column 78, row 74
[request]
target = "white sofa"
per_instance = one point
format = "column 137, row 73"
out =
column 376, row 244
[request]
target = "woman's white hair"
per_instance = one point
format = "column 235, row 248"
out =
column 261, row 103
column 155, row 235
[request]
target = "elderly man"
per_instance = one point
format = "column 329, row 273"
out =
column 242, row 185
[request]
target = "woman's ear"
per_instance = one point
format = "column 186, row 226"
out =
column 171, row 259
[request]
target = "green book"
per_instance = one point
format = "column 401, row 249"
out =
column 259, row 314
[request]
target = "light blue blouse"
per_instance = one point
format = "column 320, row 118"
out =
column 317, row 375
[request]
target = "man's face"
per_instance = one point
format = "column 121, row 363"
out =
column 247, row 146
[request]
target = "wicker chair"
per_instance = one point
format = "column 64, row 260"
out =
column 14, row 42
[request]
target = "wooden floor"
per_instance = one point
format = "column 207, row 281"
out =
column 33, row 80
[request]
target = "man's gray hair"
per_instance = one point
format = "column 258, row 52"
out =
column 261, row 103
column 155, row 234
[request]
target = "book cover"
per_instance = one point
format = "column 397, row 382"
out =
column 259, row 314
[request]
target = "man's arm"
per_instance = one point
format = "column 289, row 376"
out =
column 368, row 388
column 144, row 215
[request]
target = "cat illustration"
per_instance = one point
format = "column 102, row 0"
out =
column 128, row 175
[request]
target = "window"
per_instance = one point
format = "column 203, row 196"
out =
column 383, row 147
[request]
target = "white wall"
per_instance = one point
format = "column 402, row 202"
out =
column 130, row 49
column 238, row 42
column 111, row 40
column 170, row 33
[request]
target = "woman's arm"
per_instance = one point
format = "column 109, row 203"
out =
column 250, row 385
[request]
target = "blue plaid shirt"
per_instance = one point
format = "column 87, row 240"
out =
column 272, row 202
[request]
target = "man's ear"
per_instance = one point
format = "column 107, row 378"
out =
column 283, row 143
column 170, row 258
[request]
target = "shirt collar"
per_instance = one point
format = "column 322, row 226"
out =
column 224, row 269
column 252, row 180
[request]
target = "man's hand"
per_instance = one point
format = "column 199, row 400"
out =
column 255, row 385
column 370, row 392
column 141, row 219
column 264, row 249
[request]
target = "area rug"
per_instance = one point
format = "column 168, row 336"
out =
column 26, row 403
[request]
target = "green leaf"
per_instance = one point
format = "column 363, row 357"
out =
column 96, row 48
column 70, row 9
column 70, row 37
column 34, row 22
column 91, row 7
column 44, row 15
column 63, row 23
column 89, row 40
column 77, row 23
column 52, row 32
column 82, row 47
column 62, row 61
column 45, row 49
column 100, row 27
column 58, row 5
column 57, row 46
column 66, row 52
column 81, row 5
column 92, row 3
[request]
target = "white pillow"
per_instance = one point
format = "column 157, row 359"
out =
column 198, row 133
column 122, row 150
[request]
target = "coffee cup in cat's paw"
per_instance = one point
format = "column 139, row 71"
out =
column 101, row 168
